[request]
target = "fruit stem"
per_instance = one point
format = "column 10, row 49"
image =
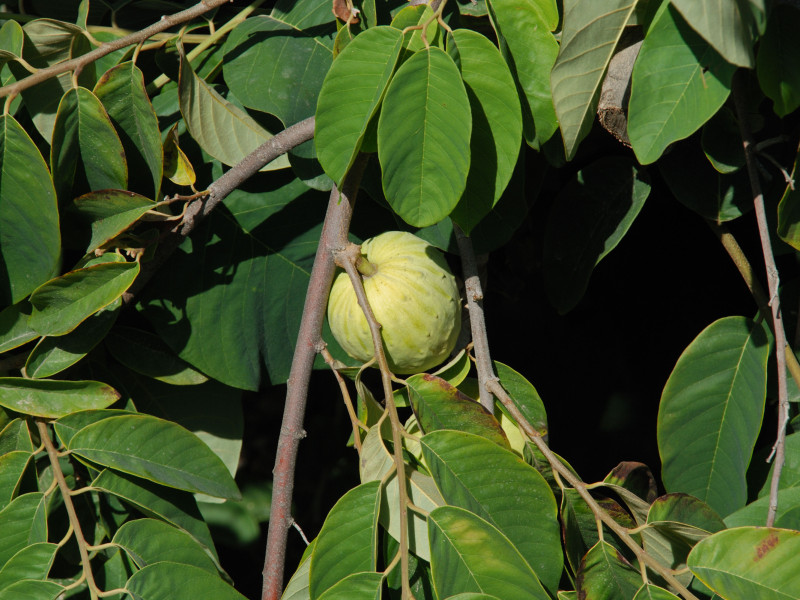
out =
column 366, row 268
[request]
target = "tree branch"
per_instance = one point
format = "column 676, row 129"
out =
column 474, row 293
column 199, row 209
column 106, row 48
column 773, row 283
column 333, row 238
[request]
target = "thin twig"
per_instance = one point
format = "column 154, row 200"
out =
column 348, row 402
column 200, row 208
column 66, row 496
column 773, row 283
column 333, row 236
column 474, row 293
column 580, row 487
column 106, row 48
column 348, row 258
column 754, row 285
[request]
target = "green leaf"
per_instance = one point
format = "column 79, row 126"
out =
column 350, row 97
column 222, row 129
column 14, row 328
column 376, row 462
column 32, row 590
column 63, row 303
column 30, row 242
column 604, row 574
column 423, row 138
column 749, row 562
column 255, row 316
column 68, row 425
column 439, row 405
column 54, row 354
column 790, row 473
column 274, row 67
column 778, row 73
column 12, row 467
column 678, row 83
column 755, row 513
column 347, row 542
column 652, row 592
column 174, row 581
column 23, row 523
column 83, row 131
column 696, row 184
column 635, row 477
column 109, row 212
column 580, row 525
column 358, row 586
column 297, row 588
column 530, row 50
column 416, row 16
column 710, row 413
column 157, row 450
column 303, row 14
column 49, row 42
column 32, row 562
column 146, row 354
column 590, row 33
column 211, row 410
column 148, row 541
column 16, row 436
column 122, row 92
column 725, row 24
column 173, row 506
column 466, row 469
column 471, row 555
column 11, row 40
column 496, row 124
column 788, row 212
column 53, row 399
column 590, row 217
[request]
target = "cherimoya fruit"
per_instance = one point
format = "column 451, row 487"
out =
column 414, row 297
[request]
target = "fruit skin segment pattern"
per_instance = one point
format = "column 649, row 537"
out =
column 414, row 297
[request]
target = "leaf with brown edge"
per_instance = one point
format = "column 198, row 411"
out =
column 636, row 477
column 439, row 405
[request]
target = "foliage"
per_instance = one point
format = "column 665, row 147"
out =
column 121, row 417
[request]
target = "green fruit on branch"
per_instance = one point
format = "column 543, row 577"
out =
column 414, row 297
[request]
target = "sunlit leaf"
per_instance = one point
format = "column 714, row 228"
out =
column 471, row 555
column 63, row 303
column 157, row 450
column 53, row 399
column 12, row 467
column 32, row 562
column 347, row 542
column 678, row 83
column 122, row 92
column 222, row 129
column 274, row 67
column 749, row 562
column 466, row 469
column 55, row 354
column 148, row 541
column 423, row 138
column 173, row 506
column 725, row 24
column 710, row 413
column 22, row 523
column 439, row 405
column 590, row 33
column 174, row 581
column 83, row 134
column 358, row 586
column 350, row 97
column 530, row 50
